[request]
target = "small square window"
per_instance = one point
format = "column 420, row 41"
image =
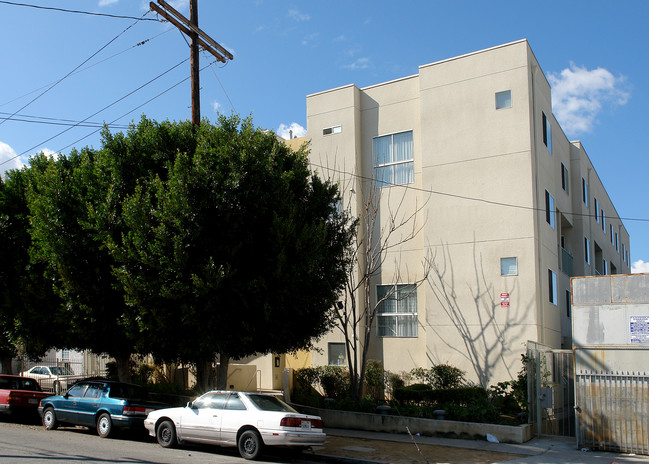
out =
column 509, row 266
column 503, row 99
column 337, row 354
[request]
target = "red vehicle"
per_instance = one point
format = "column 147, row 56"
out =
column 20, row 395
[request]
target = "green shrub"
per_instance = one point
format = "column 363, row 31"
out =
column 374, row 380
column 440, row 376
column 335, row 382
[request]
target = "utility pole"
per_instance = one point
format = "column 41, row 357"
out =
column 190, row 28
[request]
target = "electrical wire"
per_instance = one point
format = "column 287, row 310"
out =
column 52, row 122
column 139, row 44
column 464, row 197
column 96, row 113
column 90, row 13
column 70, row 73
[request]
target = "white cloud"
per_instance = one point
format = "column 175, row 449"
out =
column 579, row 94
column 639, row 267
column 298, row 131
column 107, row 2
column 216, row 105
column 309, row 38
column 297, row 16
column 9, row 155
column 361, row 63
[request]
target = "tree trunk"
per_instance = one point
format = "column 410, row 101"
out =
column 222, row 372
column 204, row 375
column 6, row 365
column 122, row 364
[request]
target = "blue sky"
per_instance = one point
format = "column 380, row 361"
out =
column 594, row 53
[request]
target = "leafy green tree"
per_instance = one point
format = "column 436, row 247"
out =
column 238, row 250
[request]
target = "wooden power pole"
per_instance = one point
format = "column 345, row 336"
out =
column 198, row 37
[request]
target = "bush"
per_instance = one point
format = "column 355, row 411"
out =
column 374, row 380
column 440, row 376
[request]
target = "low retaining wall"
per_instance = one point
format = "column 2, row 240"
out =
column 428, row 427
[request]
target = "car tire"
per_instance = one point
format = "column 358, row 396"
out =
column 104, row 425
column 250, row 444
column 166, row 434
column 49, row 419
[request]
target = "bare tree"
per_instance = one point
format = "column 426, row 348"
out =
column 378, row 240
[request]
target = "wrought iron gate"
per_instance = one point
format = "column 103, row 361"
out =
column 551, row 391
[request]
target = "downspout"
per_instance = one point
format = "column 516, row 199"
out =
column 539, row 247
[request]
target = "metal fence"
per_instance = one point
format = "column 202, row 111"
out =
column 550, row 383
column 613, row 409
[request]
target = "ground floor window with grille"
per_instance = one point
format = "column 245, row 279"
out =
column 397, row 311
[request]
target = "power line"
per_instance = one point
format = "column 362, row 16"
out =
column 53, row 121
column 139, row 44
column 96, row 113
column 464, row 197
column 70, row 73
column 90, row 13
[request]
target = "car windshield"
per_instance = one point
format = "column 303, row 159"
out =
column 61, row 370
column 127, row 391
column 270, row 403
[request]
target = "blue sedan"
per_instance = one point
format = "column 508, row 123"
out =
column 98, row 403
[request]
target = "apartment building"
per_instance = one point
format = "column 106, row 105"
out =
column 505, row 210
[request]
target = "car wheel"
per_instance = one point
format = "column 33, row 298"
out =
column 166, row 434
column 49, row 419
column 250, row 444
column 104, row 425
column 57, row 388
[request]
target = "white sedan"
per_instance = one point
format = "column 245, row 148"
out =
column 52, row 378
column 247, row 420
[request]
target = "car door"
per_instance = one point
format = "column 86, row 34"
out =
column 88, row 404
column 233, row 417
column 67, row 407
column 202, row 421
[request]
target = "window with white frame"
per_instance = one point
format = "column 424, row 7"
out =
column 547, row 132
column 549, row 209
column 337, row 356
column 552, row 287
column 509, row 266
column 503, row 99
column 393, row 159
column 397, row 311
column 332, row 130
column 587, row 250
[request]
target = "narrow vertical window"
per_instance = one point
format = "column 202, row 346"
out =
column 549, row 209
column 503, row 99
column 596, row 211
column 587, row 250
column 611, row 227
column 552, row 283
column 547, row 133
column 584, row 191
column 617, row 244
column 603, row 222
column 568, row 303
column 565, row 178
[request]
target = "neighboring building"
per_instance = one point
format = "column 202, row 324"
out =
column 512, row 209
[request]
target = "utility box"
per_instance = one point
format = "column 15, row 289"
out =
column 610, row 331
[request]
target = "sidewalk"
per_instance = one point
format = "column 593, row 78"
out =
column 354, row 446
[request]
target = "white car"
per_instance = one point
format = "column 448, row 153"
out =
column 246, row 420
column 52, row 378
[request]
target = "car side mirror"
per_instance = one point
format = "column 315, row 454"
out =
column 190, row 404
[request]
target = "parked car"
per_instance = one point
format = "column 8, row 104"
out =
column 248, row 421
column 52, row 378
column 103, row 404
column 19, row 395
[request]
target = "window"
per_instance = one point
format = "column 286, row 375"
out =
column 617, row 244
column 603, row 222
column 509, row 266
column 605, row 267
column 549, row 209
column 552, row 281
column 393, row 159
column 332, row 130
column 565, row 179
column 596, row 211
column 584, row 191
column 568, row 303
column 547, row 133
column 234, row 403
column 503, row 99
column 587, row 250
column 611, row 227
column 337, row 354
column 397, row 313
column 94, row 391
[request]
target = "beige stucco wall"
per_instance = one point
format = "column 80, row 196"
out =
column 481, row 176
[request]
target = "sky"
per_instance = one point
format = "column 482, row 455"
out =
column 64, row 74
